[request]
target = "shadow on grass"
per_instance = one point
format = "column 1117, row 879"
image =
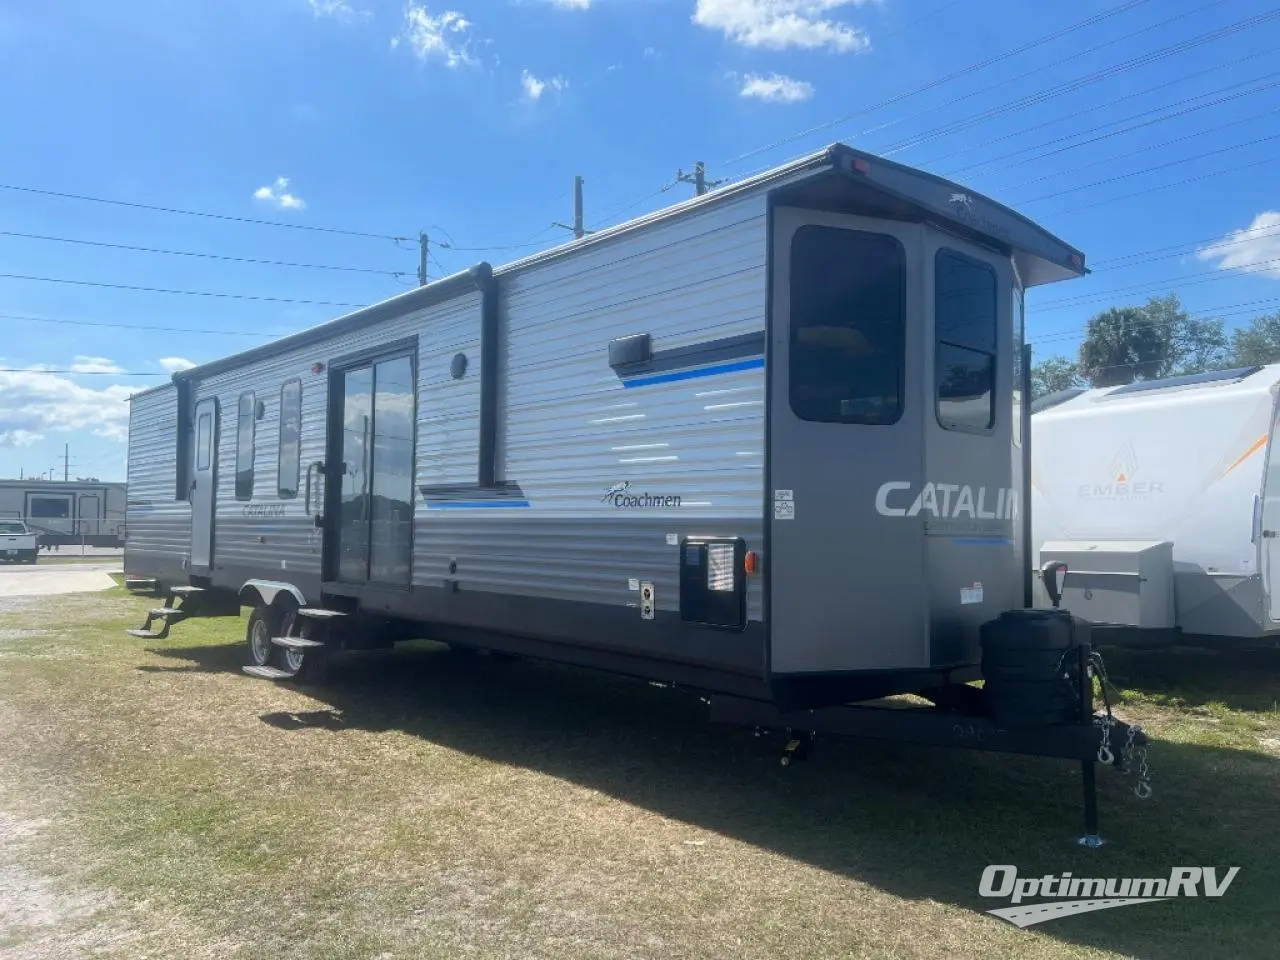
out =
column 1245, row 680
column 918, row 822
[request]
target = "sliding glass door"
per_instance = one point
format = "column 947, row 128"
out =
column 373, row 528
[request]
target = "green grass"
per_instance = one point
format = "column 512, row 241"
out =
column 432, row 804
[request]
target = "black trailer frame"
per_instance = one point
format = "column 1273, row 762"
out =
column 957, row 720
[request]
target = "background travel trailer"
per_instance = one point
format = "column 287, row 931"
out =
column 1163, row 497
column 764, row 442
column 66, row 512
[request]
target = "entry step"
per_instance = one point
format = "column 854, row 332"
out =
column 267, row 673
column 185, row 591
column 145, row 634
column 319, row 613
column 166, row 613
column 296, row 643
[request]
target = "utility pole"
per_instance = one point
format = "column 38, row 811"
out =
column 422, row 259
column 698, row 179
column 66, row 462
column 579, row 231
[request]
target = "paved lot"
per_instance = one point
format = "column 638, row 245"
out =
column 45, row 581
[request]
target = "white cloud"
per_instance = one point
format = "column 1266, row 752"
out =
column 34, row 403
column 572, row 4
column 1255, row 249
column 95, row 365
column 337, row 9
column 174, row 364
column 775, row 88
column 534, row 88
column 278, row 195
column 19, row 438
column 779, row 24
column 442, row 36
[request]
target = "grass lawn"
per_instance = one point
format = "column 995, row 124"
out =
column 155, row 802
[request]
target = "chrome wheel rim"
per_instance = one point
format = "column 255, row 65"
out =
column 260, row 642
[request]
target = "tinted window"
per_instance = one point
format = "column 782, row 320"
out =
column 244, row 447
column 965, row 329
column 847, row 326
column 204, row 441
column 290, row 439
column 50, row 508
column 11, row 528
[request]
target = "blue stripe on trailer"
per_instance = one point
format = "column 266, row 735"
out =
column 736, row 367
column 475, row 504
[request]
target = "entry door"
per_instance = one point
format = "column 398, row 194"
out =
column 369, row 536
column 1270, row 523
column 88, row 513
column 844, row 419
column 204, row 483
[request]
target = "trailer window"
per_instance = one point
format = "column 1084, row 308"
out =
column 965, row 331
column 50, row 508
column 245, row 425
column 204, row 441
column 848, row 306
column 290, row 439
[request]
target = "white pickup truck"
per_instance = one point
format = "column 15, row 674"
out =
column 17, row 543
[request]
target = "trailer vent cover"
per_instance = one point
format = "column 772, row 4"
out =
column 720, row 567
column 713, row 582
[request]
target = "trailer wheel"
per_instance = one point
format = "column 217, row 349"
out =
column 264, row 623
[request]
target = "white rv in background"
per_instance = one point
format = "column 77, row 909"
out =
column 1163, row 499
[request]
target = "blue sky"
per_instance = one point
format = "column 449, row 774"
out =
column 470, row 118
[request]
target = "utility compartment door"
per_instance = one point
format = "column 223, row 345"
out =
column 845, row 576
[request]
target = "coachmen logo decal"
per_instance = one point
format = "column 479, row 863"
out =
column 621, row 497
column 1124, row 484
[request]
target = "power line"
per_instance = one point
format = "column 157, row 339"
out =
column 1037, row 71
column 1072, row 86
column 1148, row 148
column 1193, row 279
column 185, row 293
column 1152, row 169
column 202, row 213
column 84, row 373
column 190, row 253
column 134, row 326
column 1093, row 110
column 1081, row 332
column 1178, row 183
column 1208, row 242
column 1240, row 94
column 941, row 81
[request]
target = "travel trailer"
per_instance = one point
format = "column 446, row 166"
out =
column 1163, row 499
column 765, row 444
column 63, row 512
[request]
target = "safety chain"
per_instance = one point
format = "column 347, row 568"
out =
column 1143, row 786
column 1105, row 755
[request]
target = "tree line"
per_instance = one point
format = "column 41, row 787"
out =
column 1158, row 339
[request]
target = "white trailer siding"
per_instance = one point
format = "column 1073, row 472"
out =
column 158, row 530
column 1182, row 464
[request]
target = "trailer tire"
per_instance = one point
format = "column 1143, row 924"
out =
column 265, row 622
